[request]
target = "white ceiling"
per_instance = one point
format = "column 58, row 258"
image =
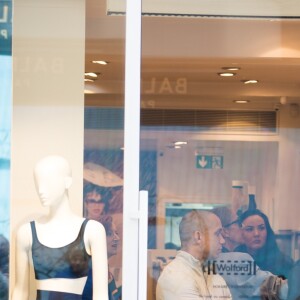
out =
column 229, row 8
column 196, row 49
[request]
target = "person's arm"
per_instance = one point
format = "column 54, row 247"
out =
column 249, row 284
column 23, row 242
column 96, row 239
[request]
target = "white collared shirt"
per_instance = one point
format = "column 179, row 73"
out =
column 183, row 279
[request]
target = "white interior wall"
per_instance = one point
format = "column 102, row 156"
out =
column 48, row 100
column 178, row 177
column 287, row 204
column 272, row 167
column 180, row 181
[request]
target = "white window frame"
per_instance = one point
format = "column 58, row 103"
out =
column 134, row 267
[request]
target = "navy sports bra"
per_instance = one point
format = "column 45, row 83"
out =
column 70, row 261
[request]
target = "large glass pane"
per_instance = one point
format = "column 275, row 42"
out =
column 104, row 131
column 220, row 133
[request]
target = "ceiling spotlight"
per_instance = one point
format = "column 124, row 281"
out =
column 92, row 74
column 178, row 143
column 226, row 74
column 283, row 100
column 241, row 101
column 100, row 62
column 231, row 68
column 89, row 80
column 250, row 81
column 174, row 146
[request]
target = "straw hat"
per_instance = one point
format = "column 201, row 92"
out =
column 101, row 176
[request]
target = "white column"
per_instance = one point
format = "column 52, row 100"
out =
column 48, row 99
column 132, row 150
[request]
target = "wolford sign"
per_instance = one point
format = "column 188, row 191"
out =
column 231, row 267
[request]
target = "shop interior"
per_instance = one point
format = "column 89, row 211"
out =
column 225, row 87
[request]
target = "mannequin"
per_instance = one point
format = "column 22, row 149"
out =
column 57, row 232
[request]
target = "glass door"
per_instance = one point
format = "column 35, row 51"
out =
column 219, row 134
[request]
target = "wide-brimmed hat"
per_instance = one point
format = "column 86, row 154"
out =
column 101, row 176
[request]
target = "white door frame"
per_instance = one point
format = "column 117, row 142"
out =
column 131, row 215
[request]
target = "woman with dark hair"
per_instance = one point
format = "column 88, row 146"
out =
column 260, row 243
column 96, row 201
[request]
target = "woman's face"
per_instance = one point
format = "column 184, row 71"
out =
column 94, row 205
column 112, row 241
column 254, row 233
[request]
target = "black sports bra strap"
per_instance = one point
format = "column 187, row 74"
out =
column 33, row 231
column 82, row 228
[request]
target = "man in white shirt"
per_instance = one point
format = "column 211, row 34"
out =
column 184, row 278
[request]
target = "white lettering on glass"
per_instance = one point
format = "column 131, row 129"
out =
column 4, row 17
column 166, row 86
column 4, row 34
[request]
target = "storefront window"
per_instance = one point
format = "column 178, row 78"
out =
column 219, row 133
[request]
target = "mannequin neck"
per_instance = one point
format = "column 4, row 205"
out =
column 60, row 211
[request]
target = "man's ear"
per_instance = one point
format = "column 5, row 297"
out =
column 68, row 182
column 198, row 236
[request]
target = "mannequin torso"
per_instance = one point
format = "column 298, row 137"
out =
column 62, row 240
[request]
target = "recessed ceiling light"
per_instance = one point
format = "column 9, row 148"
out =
column 231, row 68
column 174, row 146
column 92, row 74
column 283, row 100
column 241, row 101
column 100, row 62
column 89, row 80
column 250, row 81
column 178, row 143
column 226, row 74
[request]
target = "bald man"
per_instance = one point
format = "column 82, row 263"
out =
column 201, row 240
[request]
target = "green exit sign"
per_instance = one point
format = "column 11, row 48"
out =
column 209, row 161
